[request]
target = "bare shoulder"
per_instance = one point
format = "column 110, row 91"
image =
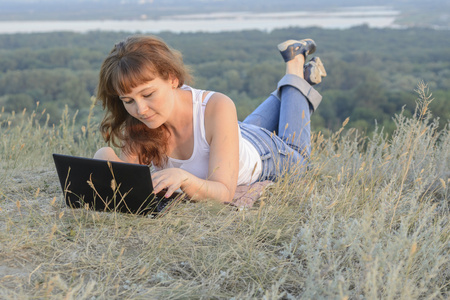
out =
column 219, row 103
column 220, row 116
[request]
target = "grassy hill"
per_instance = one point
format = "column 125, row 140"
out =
column 368, row 221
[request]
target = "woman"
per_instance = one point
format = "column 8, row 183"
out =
column 193, row 137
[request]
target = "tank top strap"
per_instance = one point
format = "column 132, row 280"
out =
column 208, row 96
column 196, row 109
column 202, row 115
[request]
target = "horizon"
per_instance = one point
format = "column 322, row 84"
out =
column 216, row 22
column 408, row 13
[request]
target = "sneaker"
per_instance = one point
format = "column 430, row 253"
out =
column 291, row 48
column 314, row 71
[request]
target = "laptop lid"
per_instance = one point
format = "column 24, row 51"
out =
column 107, row 186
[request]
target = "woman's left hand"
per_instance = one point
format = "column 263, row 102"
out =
column 170, row 179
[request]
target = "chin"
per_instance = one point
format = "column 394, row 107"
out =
column 153, row 125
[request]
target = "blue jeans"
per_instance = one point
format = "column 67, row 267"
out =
column 280, row 127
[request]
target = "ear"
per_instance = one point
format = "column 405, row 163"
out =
column 174, row 81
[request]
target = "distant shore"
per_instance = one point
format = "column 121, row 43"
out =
column 376, row 17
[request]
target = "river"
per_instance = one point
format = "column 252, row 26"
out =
column 375, row 17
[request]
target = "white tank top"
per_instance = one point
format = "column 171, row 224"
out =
column 249, row 159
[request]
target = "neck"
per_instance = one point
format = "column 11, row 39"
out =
column 181, row 118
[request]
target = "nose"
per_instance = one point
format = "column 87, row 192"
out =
column 141, row 107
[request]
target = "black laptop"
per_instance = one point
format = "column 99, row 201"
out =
column 109, row 186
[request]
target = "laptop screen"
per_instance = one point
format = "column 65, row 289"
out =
column 106, row 186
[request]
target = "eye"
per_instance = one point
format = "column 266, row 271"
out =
column 128, row 101
column 148, row 95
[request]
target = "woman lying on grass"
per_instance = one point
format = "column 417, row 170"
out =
column 192, row 137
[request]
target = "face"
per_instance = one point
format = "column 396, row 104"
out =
column 151, row 102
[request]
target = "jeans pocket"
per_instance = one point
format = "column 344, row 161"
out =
column 259, row 141
column 280, row 145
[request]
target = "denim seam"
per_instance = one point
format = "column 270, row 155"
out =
column 276, row 138
column 256, row 141
column 259, row 144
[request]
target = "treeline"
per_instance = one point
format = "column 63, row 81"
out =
column 372, row 73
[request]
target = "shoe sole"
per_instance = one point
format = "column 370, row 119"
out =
column 283, row 46
column 319, row 64
column 314, row 71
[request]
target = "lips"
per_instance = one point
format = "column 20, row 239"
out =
column 146, row 118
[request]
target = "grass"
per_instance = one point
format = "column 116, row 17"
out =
column 370, row 220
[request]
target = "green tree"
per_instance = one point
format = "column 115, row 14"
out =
column 18, row 102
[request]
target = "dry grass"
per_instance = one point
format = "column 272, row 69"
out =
column 370, row 220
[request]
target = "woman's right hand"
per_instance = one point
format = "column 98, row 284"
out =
column 170, row 179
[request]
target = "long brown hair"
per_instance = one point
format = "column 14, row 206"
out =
column 132, row 62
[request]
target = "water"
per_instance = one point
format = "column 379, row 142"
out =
column 376, row 17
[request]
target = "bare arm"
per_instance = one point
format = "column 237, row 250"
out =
column 107, row 153
column 221, row 128
column 132, row 159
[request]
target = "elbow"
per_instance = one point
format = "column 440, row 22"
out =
column 229, row 195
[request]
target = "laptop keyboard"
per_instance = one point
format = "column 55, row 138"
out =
column 162, row 204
